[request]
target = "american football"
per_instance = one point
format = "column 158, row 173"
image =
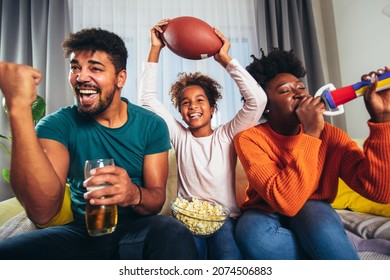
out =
column 191, row 38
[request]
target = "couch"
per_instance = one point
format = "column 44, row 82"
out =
column 362, row 217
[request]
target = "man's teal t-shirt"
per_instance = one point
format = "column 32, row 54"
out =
column 144, row 133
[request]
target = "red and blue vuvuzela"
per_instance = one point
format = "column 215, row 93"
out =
column 342, row 95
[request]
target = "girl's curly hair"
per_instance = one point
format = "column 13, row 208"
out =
column 278, row 61
column 211, row 87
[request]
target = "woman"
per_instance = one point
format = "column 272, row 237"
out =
column 205, row 156
column 293, row 161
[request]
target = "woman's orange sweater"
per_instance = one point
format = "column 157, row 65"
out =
column 285, row 171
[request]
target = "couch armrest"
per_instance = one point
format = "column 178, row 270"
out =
column 8, row 209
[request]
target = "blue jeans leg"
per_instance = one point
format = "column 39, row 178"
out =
column 221, row 245
column 201, row 245
column 263, row 236
column 320, row 231
column 158, row 238
column 316, row 232
column 151, row 237
column 67, row 242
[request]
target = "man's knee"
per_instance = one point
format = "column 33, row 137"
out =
column 169, row 226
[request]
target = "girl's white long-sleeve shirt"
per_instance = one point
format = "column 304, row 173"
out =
column 206, row 165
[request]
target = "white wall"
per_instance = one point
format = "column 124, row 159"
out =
column 362, row 43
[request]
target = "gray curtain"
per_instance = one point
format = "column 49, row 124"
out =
column 31, row 32
column 289, row 24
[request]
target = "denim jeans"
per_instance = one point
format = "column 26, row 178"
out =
column 149, row 237
column 316, row 232
column 221, row 245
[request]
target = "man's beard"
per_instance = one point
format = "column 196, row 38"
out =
column 100, row 107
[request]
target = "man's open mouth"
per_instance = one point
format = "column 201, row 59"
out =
column 88, row 96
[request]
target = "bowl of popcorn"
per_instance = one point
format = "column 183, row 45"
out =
column 201, row 217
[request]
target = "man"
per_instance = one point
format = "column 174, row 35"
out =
column 102, row 125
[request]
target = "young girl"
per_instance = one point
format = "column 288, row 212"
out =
column 205, row 156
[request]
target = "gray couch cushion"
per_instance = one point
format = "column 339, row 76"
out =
column 366, row 225
column 17, row 225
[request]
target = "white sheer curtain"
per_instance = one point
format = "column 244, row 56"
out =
column 133, row 19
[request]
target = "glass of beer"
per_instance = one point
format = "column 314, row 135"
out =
column 100, row 219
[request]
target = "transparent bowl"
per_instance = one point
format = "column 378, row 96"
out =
column 202, row 217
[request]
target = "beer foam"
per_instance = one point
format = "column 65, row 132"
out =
column 94, row 188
